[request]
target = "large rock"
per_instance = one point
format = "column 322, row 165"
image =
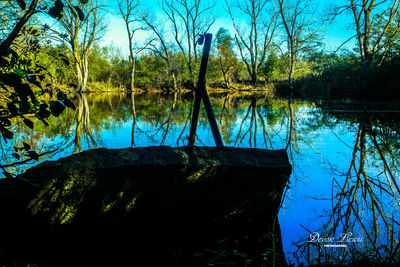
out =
column 149, row 205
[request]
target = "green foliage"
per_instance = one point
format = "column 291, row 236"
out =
column 57, row 11
column 22, row 80
column 57, row 65
column 100, row 67
column 226, row 59
column 151, row 72
column 273, row 68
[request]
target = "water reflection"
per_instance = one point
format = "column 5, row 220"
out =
column 346, row 176
column 365, row 198
column 83, row 128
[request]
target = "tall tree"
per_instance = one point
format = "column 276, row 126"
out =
column 80, row 27
column 301, row 26
column 128, row 10
column 254, row 40
column 189, row 19
column 161, row 46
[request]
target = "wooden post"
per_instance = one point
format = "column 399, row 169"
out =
column 201, row 92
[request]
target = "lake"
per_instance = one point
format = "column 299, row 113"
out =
column 342, row 199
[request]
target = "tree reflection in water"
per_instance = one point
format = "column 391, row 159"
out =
column 365, row 203
column 83, row 128
column 256, row 118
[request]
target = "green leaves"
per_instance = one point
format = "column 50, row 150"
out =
column 11, row 79
column 42, row 120
column 7, row 134
column 57, row 10
column 77, row 12
column 33, row 155
column 65, row 100
column 80, row 13
column 12, row 109
column 28, row 123
column 21, row 78
column 56, row 108
column 26, row 146
column 64, row 58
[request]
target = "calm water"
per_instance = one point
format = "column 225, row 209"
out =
column 345, row 177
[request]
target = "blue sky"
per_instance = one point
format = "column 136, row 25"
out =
column 334, row 34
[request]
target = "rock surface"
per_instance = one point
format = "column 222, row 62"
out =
column 150, row 205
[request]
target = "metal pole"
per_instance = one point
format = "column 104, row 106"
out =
column 201, row 92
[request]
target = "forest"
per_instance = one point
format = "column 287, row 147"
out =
column 313, row 83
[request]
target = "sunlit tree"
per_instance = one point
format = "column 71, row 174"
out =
column 80, row 26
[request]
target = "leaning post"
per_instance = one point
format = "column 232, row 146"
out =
column 201, row 92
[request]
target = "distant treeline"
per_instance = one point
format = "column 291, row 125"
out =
column 275, row 44
column 318, row 74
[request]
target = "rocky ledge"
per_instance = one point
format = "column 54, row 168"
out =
column 163, row 205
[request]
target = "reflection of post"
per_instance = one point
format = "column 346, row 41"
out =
column 253, row 121
column 291, row 125
column 83, row 124
column 134, row 118
column 201, row 92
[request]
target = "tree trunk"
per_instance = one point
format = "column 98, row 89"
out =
column 82, row 76
column 82, row 72
column 79, row 76
column 174, row 81
column 291, row 73
column 133, row 59
column 224, row 73
column 85, row 73
column 365, row 64
column 254, row 79
column 291, row 84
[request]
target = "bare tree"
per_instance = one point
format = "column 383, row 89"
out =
column 161, row 46
column 79, row 30
column 254, row 41
column 194, row 17
column 129, row 11
column 301, row 26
